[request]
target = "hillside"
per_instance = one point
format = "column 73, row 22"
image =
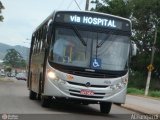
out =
column 24, row 51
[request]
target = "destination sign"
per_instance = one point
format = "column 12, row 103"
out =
column 93, row 20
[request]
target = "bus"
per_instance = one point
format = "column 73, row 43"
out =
column 80, row 57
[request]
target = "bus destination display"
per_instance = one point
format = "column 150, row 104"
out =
column 101, row 21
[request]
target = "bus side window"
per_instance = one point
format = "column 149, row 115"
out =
column 34, row 45
column 43, row 38
column 37, row 37
column 39, row 41
column 41, row 46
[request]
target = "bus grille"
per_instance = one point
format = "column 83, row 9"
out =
column 90, row 74
column 82, row 84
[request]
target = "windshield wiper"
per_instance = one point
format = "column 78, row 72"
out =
column 103, row 41
column 79, row 36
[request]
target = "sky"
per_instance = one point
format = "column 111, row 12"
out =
column 21, row 17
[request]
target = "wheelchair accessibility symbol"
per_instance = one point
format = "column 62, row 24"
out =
column 96, row 63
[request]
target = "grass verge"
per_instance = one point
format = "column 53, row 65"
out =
column 135, row 91
column 5, row 79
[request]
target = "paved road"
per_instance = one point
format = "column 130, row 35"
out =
column 14, row 100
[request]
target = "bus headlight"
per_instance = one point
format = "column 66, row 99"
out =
column 125, row 81
column 119, row 85
column 52, row 75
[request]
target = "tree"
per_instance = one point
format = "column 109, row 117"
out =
column 14, row 59
column 115, row 7
column 1, row 7
column 8, row 70
column 145, row 17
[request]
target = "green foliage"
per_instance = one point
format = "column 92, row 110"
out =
column 115, row 7
column 140, row 62
column 135, row 91
column 137, row 80
column 145, row 17
column 14, row 59
column 1, row 7
column 154, row 93
column 8, row 69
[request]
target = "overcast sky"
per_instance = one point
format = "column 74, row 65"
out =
column 21, row 17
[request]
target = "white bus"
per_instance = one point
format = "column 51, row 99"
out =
column 80, row 57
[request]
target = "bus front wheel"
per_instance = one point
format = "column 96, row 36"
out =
column 46, row 101
column 105, row 107
column 32, row 95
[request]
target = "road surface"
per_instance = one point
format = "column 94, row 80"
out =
column 14, row 100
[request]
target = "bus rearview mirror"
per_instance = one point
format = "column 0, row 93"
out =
column 134, row 48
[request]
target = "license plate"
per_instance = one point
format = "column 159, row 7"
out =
column 86, row 92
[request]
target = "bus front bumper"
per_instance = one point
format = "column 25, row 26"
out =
column 62, row 89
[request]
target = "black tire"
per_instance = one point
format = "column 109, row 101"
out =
column 32, row 95
column 46, row 101
column 85, row 103
column 105, row 107
column 119, row 104
column 39, row 97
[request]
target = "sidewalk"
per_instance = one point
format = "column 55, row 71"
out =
column 145, row 105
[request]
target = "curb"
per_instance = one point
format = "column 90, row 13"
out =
column 130, row 107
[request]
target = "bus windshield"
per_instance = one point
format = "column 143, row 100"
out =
column 87, row 49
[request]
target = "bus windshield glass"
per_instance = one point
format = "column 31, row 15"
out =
column 87, row 49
